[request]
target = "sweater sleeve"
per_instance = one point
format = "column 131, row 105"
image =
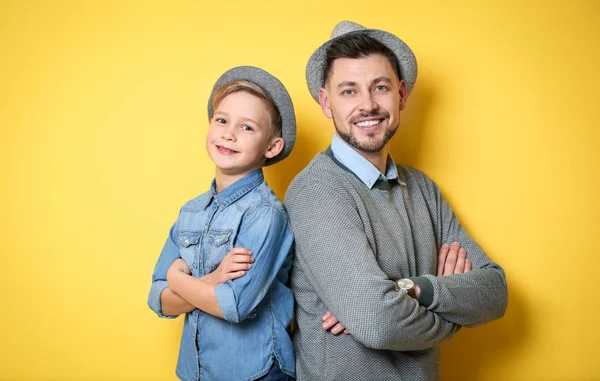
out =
column 332, row 249
column 468, row 299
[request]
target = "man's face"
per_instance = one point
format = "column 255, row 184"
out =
column 364, row 97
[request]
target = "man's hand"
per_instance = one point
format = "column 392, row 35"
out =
column 452, row 259
column 234, row 265
column 331, row 324
column 179, row 266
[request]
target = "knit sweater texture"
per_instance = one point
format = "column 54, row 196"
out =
column 352, row 244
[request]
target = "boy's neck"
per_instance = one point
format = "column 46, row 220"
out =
column 224, row 180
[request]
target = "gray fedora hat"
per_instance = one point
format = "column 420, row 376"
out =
column 276, row 91
column 405, row 56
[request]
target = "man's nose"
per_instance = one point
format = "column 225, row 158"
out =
column 368, row 103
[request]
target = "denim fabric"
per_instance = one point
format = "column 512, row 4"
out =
column 275, row 374
column 257, row 307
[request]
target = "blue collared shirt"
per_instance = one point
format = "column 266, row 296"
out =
column 257, row 307
column 360, row 166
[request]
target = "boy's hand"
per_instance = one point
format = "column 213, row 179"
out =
column 234, row 265
column 179, row 266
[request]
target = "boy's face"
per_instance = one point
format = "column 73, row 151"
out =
column 240, row 138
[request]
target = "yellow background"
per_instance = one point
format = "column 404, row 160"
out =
column 102, row 125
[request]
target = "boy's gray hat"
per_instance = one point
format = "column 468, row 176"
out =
column 405, row 56
column 276, row 91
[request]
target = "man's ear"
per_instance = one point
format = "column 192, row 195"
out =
column 275, row 147
column 324, row 102
column 403, row 94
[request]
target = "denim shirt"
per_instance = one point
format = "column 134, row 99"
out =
column 257, row 307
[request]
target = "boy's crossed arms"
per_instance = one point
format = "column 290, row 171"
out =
column 186, row 293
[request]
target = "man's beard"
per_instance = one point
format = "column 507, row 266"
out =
column 372, row 144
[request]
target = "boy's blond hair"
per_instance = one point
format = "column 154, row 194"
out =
column 257, row 91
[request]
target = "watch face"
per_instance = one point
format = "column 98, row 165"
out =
column 406, row 284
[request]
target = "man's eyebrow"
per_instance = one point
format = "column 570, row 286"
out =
column 346, row 84
column 382, row 79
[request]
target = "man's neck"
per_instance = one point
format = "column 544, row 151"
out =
column 378, row 159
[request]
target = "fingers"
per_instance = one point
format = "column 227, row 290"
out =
column 460, row 261
column 237, row 266
column 241, row 258
column 451, row 259
column 442, row 259
column 338, row 328
column 235, row 274
column 239, row 250
column 237, row 261
column 329, row 321
column 331, row 324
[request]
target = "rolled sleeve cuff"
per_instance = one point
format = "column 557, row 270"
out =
column 154, row 298
column 227, row 304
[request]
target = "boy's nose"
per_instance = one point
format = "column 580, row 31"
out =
column 228, row 135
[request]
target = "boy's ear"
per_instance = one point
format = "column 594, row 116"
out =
column 275, row 147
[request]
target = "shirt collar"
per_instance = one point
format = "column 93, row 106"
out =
column 361, row 167
column 236, row 190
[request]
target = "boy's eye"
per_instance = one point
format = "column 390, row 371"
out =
column 221, row 120
column 246, row 127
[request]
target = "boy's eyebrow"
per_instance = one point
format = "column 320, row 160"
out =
column 223, row 113
column 250, row 120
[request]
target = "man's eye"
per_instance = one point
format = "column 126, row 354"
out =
column 381, row 88
column 348, row 92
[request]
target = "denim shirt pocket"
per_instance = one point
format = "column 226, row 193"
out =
column 189, row 246
column 219, row 244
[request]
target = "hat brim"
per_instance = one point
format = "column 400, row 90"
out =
column 276, row 91
column 406, row 60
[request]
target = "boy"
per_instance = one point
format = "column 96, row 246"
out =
column 227, row 258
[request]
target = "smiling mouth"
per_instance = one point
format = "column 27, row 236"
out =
column 225, row 150
column 368, row 123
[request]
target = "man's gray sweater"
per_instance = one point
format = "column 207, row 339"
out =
column 352, row 244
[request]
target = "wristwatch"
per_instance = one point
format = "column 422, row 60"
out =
column 407, row 286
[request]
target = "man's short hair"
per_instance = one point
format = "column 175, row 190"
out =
column 357, row 46
column 257, row 91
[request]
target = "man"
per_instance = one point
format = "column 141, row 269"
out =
column 378, row 249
